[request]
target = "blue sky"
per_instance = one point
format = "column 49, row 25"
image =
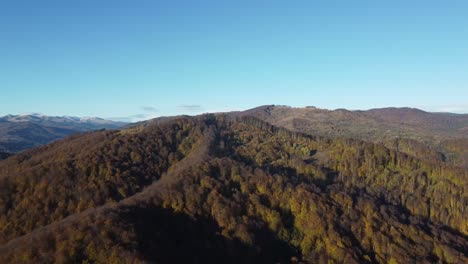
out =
column 141, row 59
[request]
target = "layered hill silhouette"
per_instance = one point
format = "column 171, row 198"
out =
column 21, row 132
column 230, row 188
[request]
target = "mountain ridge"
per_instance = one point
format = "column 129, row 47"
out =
column 229, row 187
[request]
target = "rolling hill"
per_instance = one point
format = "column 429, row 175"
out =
column 372, row 124
column 440, row 136
column 228, row 188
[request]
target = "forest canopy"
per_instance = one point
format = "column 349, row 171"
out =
column 217, row 188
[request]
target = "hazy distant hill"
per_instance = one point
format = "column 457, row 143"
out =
column 20, row 132
column 218, row 189
column 4, row 155
column 441, row 136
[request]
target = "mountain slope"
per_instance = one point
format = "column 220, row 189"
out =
column 216, row 189
column 20, row 132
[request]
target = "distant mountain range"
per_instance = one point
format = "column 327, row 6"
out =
column 20, row 132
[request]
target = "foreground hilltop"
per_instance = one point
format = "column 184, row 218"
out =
column 218, row 188
column 440, row 136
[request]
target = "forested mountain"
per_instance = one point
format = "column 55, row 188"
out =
column 20, row 132
column 228, row 188
column 432, row 136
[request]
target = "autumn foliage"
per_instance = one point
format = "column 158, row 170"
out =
column 219, row 189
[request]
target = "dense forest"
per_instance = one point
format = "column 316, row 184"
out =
column 226, row 189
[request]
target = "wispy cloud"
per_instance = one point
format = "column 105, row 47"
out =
column 194, row 108
column 129, row 119
column 454, row 108
column 149, row 109
column 148, row 113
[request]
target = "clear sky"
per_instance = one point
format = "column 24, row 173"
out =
column 140, row 59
